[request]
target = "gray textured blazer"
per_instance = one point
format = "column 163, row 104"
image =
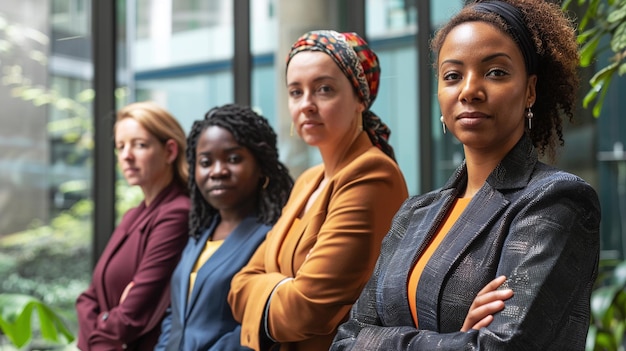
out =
column 531, row 222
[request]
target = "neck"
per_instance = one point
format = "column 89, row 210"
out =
column 229, row 220
column 478, row 169
column 333, row 156
column 151, row 191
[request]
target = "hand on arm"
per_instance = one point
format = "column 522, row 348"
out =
column 488, row 301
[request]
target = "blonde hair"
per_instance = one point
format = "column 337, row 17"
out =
column 163, row 126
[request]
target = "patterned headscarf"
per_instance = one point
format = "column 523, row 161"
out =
column 360, row 65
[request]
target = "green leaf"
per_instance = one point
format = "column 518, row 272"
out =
column 622, row 69
column 602, row 302
column 605, row 342
column 616, row 15
column 16, row 321
column 618, row 41
column 588, row 51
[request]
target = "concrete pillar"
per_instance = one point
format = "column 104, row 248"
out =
column 296, row 17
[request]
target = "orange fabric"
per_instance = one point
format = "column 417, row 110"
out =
column 331, row 254
column 209, row 249
column 414, row 276
column 290, row 233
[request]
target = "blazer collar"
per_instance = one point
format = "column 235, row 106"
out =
column 513, row 172
column 310, row 181
column 236, row 239
column 139, row 217
column 143, row 212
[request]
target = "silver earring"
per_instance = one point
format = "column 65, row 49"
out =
column 443, row 124
column 529, row 116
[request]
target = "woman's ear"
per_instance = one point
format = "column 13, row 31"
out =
column 361, row 107
column 531, row 90
column 171, row 149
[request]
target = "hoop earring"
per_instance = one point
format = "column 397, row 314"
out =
column 529, row 116
column 443, row 124
column 266, row 183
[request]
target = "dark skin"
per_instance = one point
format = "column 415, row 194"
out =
column 483, row 94
column 228, row 177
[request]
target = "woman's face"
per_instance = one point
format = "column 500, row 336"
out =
column 143, row 159
column 483, row 88
column 324, row 107
column 227, row 174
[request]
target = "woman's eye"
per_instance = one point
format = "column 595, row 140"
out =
column 295, row 93
column 140, row 145
column 204, row 162
column 451, row 76
column 325, row 89
column 497, row 73
column 234, row 159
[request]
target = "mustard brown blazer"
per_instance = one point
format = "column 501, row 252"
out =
column 330, row 255
column 144, row 248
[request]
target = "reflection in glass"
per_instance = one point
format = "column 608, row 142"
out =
column 46, row 158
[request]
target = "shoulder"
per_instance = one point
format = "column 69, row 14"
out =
column 371, row 163
column 548, row 179
column 176, row 200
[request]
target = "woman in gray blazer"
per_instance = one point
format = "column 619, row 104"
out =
column 506, row 74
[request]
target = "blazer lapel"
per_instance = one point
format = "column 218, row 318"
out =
column 487, row 205
column 283, row 226
column 221, row 256
column 187, row 262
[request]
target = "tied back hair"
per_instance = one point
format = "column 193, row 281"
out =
column 253, row 132
column 554, row 38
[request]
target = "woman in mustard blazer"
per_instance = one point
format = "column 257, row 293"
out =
column 301, row 282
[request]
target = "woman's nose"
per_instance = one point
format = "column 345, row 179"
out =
column 218, row 170
column 125, row 153
column 471, row 89
column 307, row 103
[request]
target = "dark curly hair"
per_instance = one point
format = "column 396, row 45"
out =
column 554, row 38
column 253, row 132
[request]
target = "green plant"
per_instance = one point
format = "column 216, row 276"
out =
column 601, row 19
column 608, row 309
column 17, row 324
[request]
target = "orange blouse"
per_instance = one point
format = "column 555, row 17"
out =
column 414, row 276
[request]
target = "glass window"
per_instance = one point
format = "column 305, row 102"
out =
column 263, row 43
column 385, row 18
column 46, row 138
column 391, row 26
column 175, row 33
column 188, row 98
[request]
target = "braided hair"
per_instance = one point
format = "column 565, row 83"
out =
column 253, row 132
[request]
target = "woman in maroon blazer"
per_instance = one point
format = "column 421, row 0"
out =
column 123, row 306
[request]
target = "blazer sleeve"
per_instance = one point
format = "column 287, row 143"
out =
column 166, row 326
column 87, row 311
column 149, row 296
column 336, row 268
column 230, row 341
column 550, row 259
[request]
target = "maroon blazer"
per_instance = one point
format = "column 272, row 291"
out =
column 144, row 249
